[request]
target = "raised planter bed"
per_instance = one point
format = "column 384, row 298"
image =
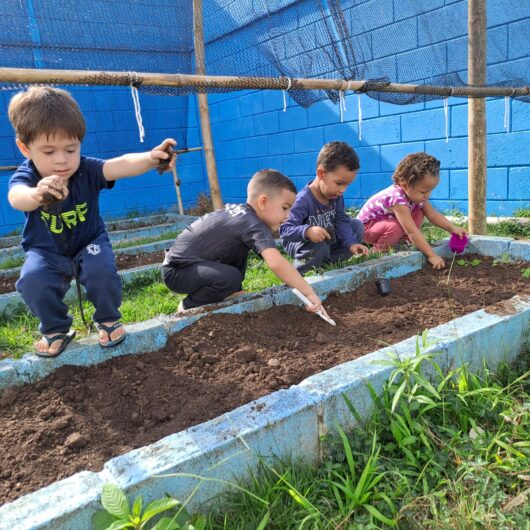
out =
column 291, row 419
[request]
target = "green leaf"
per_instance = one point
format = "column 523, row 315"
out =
column 264, row 521
column 461, row 262
column 300, row 499
column 200, row 522
column 166, row 523
column 475, row 262
column 347, row 450
column 120, row 525
column 102, row 520
column 351, row 407
column 114, row 501
column 397, row 395
column 159, row 506
column 137, row 507
column 379, row 516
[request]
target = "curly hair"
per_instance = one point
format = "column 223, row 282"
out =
column 335, row 154
column 413, row 168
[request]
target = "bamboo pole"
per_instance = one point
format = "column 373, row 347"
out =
column 204, row 82
column 206, row 128
column 477, row 156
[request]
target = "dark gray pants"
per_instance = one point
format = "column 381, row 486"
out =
column 308, row 255
column 206, row 282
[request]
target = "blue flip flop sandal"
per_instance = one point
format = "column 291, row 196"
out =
column 108, row 330
column 67, row 338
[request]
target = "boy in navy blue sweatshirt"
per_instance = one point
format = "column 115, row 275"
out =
column 318, row 230
column 64, row 234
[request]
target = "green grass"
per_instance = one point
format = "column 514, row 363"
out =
column 11, row 263
column 502, row 228
column 522, row 212
column 447, row 452
column 144, row 298
column 145, row 240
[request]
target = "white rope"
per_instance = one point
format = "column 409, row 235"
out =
column 446, row 113
column 360, row 112
column 507, row 113
column 284, row 94
column 342, row 101
column 137, row 109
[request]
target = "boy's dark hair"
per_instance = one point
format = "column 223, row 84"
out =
column 268, row 182
column 45, row 110
column 413, row 168
column 335, row 154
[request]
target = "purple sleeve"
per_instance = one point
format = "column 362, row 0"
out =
column 343, row 227
column 295, row 227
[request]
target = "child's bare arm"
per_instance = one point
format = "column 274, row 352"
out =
column 28, row 198
column 439, row 220
column 291, row 277
column 133, row 164
column 404, row 218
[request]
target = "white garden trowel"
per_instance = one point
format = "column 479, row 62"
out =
column 320, row 313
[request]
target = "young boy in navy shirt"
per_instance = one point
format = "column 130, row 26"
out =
column 208, row 260
column 318, row 230
column 58, row 190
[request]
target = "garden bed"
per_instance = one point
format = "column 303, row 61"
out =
column 123, row 262
column 79, row 417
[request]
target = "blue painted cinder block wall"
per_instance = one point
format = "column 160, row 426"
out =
column 112, row 131
column 251, row 131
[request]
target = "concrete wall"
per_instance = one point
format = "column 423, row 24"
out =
column 251, row 131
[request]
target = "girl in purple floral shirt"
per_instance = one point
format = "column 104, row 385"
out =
column 396, row 213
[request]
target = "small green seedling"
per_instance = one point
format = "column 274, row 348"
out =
column 525, row 273
column 465, row 263
column 118, row 514
column 502, row 260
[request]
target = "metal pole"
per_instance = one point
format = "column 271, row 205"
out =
column 207, row 141
column 176, row 181
column 477, row 156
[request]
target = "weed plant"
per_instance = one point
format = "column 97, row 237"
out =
column 444, row 449
column 11, row 263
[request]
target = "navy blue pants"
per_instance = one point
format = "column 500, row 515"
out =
column 206, row 282
column 45, row 278
column 308, row 255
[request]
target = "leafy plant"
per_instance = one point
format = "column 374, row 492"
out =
column 504, row 259
column 525, row 273
column 118, row 515
column 475, row 262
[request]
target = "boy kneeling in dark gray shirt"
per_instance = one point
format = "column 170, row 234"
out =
column 208, row 259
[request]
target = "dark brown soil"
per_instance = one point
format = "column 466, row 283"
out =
column 79, row 417
column 123, row 261
column 129, row 261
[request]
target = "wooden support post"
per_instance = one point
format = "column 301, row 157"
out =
column 206, row 128
column 477, row 155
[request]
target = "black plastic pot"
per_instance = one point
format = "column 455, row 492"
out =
column 383, row 286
